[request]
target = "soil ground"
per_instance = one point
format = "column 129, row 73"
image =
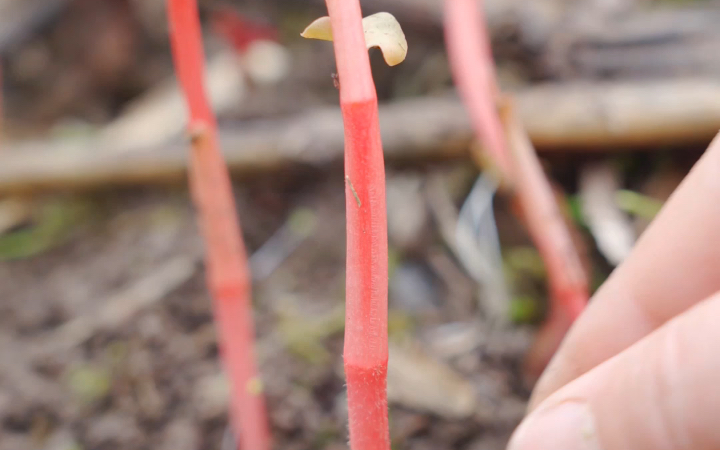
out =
column 106, row 333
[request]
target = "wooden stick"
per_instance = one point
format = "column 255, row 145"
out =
column 567, row 117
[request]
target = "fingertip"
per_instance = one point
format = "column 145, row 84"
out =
column 659, row 393
column 566, row 426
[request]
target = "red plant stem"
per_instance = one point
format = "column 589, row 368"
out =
column 469, row 51
column 546, row 223
column 239, row 31
column 227, row 267
column 471, row 59
column 366, row 346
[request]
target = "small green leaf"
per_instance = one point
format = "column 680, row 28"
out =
column 524, row 309
column 525, row 259
column 638, row 204
column 89, row 384
column 54, row 223
column 302, row 222
column 575, row 207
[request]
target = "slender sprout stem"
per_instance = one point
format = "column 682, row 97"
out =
column 498, row 127
column 366, row 346
column 226, row 259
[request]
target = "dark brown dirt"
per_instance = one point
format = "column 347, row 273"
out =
column 154, row 381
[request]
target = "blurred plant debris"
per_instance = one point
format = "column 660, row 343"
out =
column 53, row 222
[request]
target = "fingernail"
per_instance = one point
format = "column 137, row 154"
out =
column 567, row 426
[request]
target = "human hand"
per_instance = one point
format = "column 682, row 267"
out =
column 640, row 369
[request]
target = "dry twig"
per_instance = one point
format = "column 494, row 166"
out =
column 558, row 117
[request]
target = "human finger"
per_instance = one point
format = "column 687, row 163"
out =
column 674, row 265
column 659, row 394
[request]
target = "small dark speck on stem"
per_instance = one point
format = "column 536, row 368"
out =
column 357, row 199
